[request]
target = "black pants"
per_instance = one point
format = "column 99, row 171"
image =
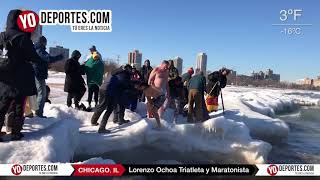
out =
column 14, row 106
column 15, row 119
column 76, row 96
column 5, row 103
column 93, row 90
column 119, row 112
column 105, row 103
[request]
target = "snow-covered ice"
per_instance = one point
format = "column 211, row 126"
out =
column 243, row 133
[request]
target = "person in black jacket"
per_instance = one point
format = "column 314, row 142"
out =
column 185, row 80
column 74, row 83
column 106, row 102
column 216, row 81
column 145, row 74
column 173, row 71
column 18, row 82
column 220, row 79
column 122, row 93
column 176, row 95
column 114, row 94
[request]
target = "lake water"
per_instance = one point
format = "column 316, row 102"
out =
column 303, row 143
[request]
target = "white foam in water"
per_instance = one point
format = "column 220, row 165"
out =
column 250, row 116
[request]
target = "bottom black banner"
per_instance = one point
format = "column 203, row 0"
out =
column 189, row 170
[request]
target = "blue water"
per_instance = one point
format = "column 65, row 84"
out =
column 303, row 143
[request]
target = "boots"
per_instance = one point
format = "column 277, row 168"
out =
column 104, row 131
column 121, row 118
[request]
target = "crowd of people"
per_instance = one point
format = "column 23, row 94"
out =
column 24, row 70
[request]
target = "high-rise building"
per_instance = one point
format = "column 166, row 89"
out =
column 316, row 82
column 178, row 61
column 36, row 34
column 54, row 51
column 202, row 63
column 135, row 58
column 232, row 77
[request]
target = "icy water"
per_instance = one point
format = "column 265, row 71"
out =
column 150, row 155
column 303, row 143
column 302, row 146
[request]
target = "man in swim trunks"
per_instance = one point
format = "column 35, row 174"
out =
column 159, row 79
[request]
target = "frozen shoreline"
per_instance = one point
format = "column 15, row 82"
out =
column 243, row 133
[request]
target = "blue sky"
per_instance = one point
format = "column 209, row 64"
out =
column 234, row 33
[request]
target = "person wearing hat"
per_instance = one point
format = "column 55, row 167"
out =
column 113, row 96
column 135, row 95
column 185, row 80
column 217, row 81
column 145, row 73
column 17, row 81
column 173, row 71
column 94, row 69
column 93, row 49
column 41, row 72
column 74, row 83
column 196, row 87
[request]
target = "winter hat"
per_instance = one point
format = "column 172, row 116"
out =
column 75, row 53
column 225, row 69
column 42, row 39
column 127, row 67
column 190, row 71
column 93, row 48
column 12, row 20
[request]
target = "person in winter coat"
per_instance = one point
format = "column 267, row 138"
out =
column 111, row 91
column 176, row 95
column 185, row 80
column 74, row 83
column 93, row 49
column 145, row 74
column 135, row 76
column 94, row 69
column 41, row 72
column 173, row 71
column 217, row 80
column 196, row 87
column 122, row 92
column 106, row 102
column 17, row 79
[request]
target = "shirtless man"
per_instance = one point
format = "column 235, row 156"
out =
column 159, row 79
column 156, row 99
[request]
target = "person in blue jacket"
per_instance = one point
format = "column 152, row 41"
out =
column 112, row 93
column 41, row 72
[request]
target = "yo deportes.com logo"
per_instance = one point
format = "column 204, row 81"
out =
column 16, row 169
column 27, row 21
column 272, row 170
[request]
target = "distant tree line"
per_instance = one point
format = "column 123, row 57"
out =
column 243, row 80
column 109, row 65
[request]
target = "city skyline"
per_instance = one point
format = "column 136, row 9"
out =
column 242, row 39
column 201, row 62
column 135, row 59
